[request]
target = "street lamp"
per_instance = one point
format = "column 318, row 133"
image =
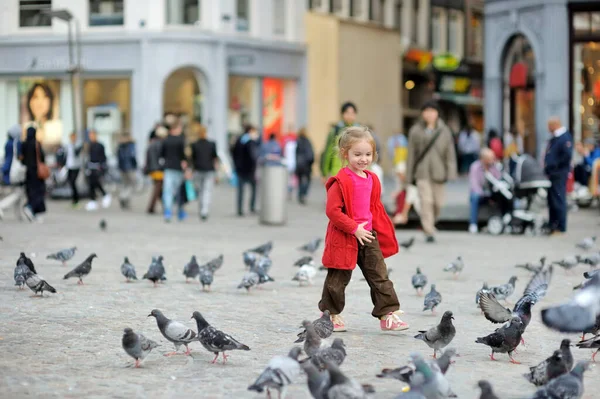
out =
column 74, row 69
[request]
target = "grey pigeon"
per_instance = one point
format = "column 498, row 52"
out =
column 250, row 258
column 156, row 271
column 342, row 386
column 547, row 370
column 433, row 384
column 318, row 381
column 128, row 270
column 214, row 340
column 505, row 339
column 501, row 292
column 280, row 372
column 578, row 314
column 590, row 343
column 534, row 267
column 567, row 386
column 264, row 249
column 20, row 274
column 137, row 346
column 63, row 255
column 249, row 280
column 261, row 268
column 440, row 336
column 419, row 281
column 174, row 331
column 303, row 261
column 569, row 262
column 214, row 264
column 487, row 392
column 81, row 270
column 414, row 393
column 408, row 243
column 312, row 341
column 206, row 278
column 311, row 246
column 445, row 360
column 336, row 353
column 191, row 269
column 405, row 373
column 586, row 243
column 37, row 283
column 432, row 300
column 27, row 262
column 323, row 327
column 592, row 259
column 456, row 266
column 595, row 329
column 565, row 350
column 483, row 290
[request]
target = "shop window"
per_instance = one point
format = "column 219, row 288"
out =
column 40, row 103
column 586, row 90
column 244, row 103
column 183, row 12
column 279, row 17
column 438, row 29
column 106, row 12
column 476, row 42
column 29, row 13
column 243, row 15
column 595, row 21
column 456, row 35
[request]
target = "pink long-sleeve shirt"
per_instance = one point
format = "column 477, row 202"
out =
column 361, row 199
column 477, row 176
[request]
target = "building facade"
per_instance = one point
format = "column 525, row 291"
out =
column 225, row 63
column 542, row 58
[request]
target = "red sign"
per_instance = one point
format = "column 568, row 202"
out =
column 518, row 75
column 272, row 107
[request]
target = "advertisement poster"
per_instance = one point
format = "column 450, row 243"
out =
column 39, row 103
column 272, row 107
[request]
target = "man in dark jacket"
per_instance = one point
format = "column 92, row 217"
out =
column 304, row 161
column 128, row 168
column 95, row 168
column 245, row 157
column 557, row 164
column 205, row 161
column 173, row 155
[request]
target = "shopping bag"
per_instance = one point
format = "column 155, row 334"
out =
column 190, row 192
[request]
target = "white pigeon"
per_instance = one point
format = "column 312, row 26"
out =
column 586, row 243
column 305, row 274
column 455, row 266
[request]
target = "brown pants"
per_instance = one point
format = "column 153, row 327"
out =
column 431, row 196
column 372, row 264
column 156, row 194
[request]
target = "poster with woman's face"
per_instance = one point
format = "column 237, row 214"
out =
column 40, row 104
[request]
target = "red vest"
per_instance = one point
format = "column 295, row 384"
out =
column 341, row 246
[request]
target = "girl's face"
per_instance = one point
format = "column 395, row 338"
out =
column 360, row 155
column 39, row 104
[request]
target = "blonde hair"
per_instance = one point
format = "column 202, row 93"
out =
column 353, row 134
column 198, row 130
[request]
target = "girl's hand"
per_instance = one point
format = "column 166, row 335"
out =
column 363, row 235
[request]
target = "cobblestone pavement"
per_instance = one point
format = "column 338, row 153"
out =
column 69, row 344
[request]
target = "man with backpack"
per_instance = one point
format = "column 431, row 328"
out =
column 330, row 162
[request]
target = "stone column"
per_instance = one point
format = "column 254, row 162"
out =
column 424, row 21
column 408, row 19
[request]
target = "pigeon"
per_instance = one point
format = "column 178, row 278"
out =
column 342, row 386
column 569, row 262
column 311, row 246
column 336, row 354
column 37, row 283
column 304, row 261
column 263, row 262
column 214, row 264
column 214, row 340
column 156, row 271
column 264, row 249
column 280, row 372
column 249, row 280
column 566, row 386
column 592, row 259
column 429, row 379
column 174, row 331
column 586, row 243
column 28, row 262
column 261, row 268
column 483, row 290
column 408, row 243
column 103, row 225
column 440, row 336
column 191, row 269
column 137, row 346
column 318, row 381
column 206, row 278
column 81, row 270
column 63, row 255
column 405, row 373
column 323, row 327
column 312, row 341
column 432, row 300
column 305, row 274
column 501, row 292
column 578, row 314
column 455, row 266
column 250, row 258
column 547, row 370
column 419, row 281
column 20, row 274
column 487, row 392
column 128, row 270
column 590, row 343
column 595, row 329
column 505, row 339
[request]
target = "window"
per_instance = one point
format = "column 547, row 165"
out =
column 335, row 6
column 414, row 34
column 314, row 4
column 438, row 29
column 456, row 35
column 243, row 15
column 398, row 16
column 183, row 12
column 355, row 8
column 106, row 12
column 376, row 8
column 279, row 17
column 29, row 13
column 476, row 50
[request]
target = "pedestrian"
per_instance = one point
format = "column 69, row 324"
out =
column 127, row 160
column 289, row 145
column 431, row 163
column 406, row 198
column 359, row 232
column 330, row 162
column 95, row 169
column 205, row 162
column 32, row 155
column 557, row 165
column 11, row 151
column 245, row 157
column 173, row 155
column 154, row 167
column 477, row 184
column 305, row 157
column 271, row 152
column 469, row 145
column 73, row 165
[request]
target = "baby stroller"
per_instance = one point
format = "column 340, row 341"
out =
column 527, row 182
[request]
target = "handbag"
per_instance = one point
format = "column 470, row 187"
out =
column 43, row 171
column 17, row 169
column 422, row 156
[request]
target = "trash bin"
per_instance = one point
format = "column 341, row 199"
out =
column 273, row 194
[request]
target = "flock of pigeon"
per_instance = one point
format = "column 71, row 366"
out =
column 319, row 359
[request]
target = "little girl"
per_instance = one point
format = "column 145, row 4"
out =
column 359, row 232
